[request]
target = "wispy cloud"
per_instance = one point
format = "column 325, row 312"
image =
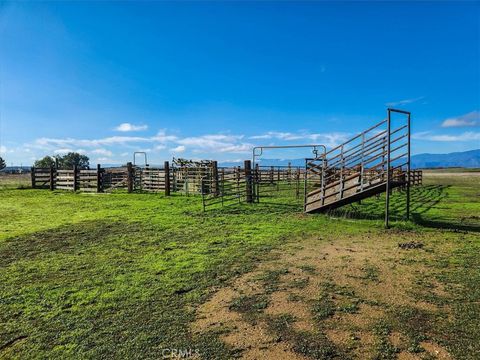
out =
column 103, row 152
column 127, row 127
column 206, row 144
column 202, row 143
column 178, row 149
column 405, row 101
column 466, row 136
column 112, row 140
column 467, row 120
column 328, row 139
column 3, row 149
column 216, row 143
column 107, row 160
column 64, row 151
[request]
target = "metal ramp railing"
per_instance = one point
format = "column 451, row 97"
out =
column 374, row 161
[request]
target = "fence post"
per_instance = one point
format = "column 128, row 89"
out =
column 51, row 178
column 216, row 189
column 129, row 177
column 75, row 179
column 167, row 178
column 297, row 190
column 99, row 179
column 248, row 180
column 32, row 175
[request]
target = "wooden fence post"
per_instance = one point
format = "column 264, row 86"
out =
column 167, row 178
column 51, row 178
column 248, row 181
column 99, row 179
column 216, row 189
column 257, row 179
column 75, row 178
column 129, row 177
column 32, row 175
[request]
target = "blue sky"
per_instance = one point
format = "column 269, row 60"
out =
column 210, row 80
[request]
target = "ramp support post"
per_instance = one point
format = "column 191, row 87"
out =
column 408, row 168
column 387, row 188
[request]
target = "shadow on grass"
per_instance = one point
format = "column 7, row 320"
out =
column 422, row 200
column 444, row 224
column 429, row 207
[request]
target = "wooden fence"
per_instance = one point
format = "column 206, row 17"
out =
column 104, row 179
column 416, row 177
column 186, row 180
column 63, row 179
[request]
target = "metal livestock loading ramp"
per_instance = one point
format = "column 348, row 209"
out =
column 372, row 162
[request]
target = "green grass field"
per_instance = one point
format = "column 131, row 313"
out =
column 126, row 275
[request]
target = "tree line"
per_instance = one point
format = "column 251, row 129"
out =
column 67, row 161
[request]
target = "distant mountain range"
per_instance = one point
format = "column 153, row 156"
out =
column 467, row 159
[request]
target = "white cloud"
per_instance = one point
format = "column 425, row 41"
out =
column 67, row 150
column 210, row 141
column 276, row 135
column 163, row 137
column 327, row 139
column 240, row 148
column 127, row 127
column 178, row 149
column 405, row 101
column 470, row 119
column 102, row 151
column 104, row 159
column 216, row 143
column 62, row 151
column 466, row 136
column 112, row 140
column 3, row 149
column 209, row 144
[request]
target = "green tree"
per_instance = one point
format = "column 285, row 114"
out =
column 2, row 163
column 46, row 162
column 68, row 161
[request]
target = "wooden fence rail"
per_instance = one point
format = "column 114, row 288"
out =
column 201, row 180
column 103, row 179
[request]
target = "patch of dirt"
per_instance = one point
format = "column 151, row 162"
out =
column 358, row 279
column 365, row 345
column 439, row 289
column 436, row 350
column 252, row 339
column 397, row 339
column 339, row 337
column 363, row 319
column 405, row 355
